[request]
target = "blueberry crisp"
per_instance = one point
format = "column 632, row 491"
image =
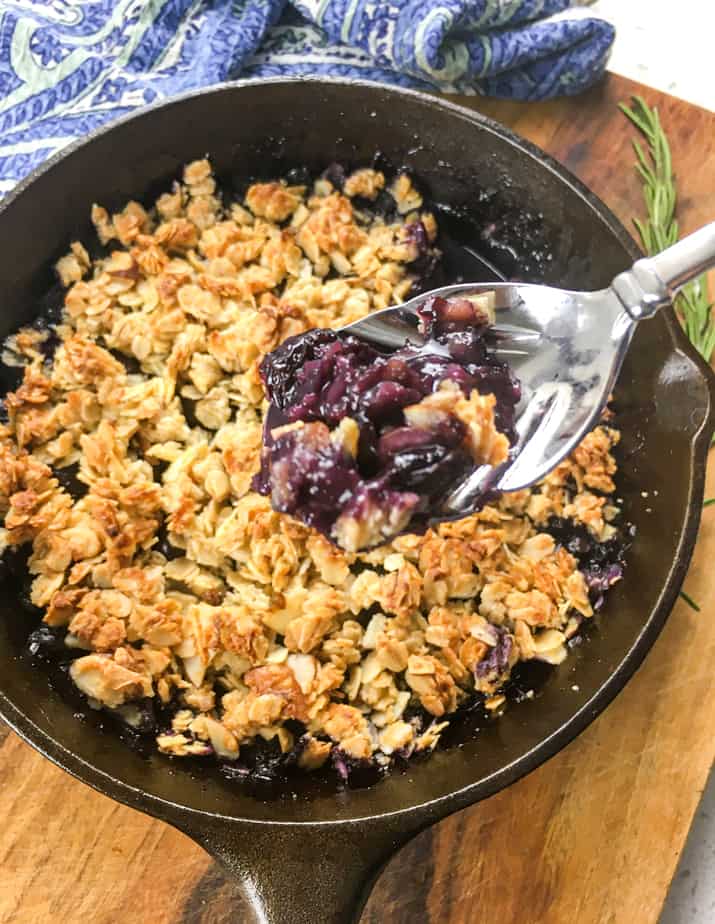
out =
column 132, row 476
column 360, row 444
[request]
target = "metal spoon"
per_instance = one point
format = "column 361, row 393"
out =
column 566, row 348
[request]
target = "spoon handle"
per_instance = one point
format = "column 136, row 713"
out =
column 652, row 282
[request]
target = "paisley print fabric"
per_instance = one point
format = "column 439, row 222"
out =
column 67, row 66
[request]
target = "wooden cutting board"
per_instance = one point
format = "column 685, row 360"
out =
column 592, row 837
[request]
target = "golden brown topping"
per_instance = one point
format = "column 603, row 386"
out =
column 35, row 389
column 392, row 653
column 405, row 195
column 103, row 679
column 159, row 624
column 400, row 590
column 274, row 201
column 182, row 582
column 94, row 632
column 594, row 457
column 354, row 533
column 197, row 175
column 72, row 267
column 348, row 727
column 483, row 440
column 63, row 606
column 331, row 562
column 177, row 235
column 366, row 183
column 279, row 681
column 432, row 683
column 396, row 736
column 314, row 754
column 331, row 229
column 243, row 634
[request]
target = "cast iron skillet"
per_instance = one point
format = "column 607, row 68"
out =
column 313, row 857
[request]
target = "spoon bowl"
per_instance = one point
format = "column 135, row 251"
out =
column 565, row 347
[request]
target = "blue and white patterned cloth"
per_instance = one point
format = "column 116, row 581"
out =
column 67, row 66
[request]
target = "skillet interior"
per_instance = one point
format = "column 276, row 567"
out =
column 552, row 231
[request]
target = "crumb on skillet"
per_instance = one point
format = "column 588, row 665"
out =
column 172, row 580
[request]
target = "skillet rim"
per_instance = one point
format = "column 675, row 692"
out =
column 432, row 809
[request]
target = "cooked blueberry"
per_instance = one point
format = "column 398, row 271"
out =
column 49, row 345
column 416, row 234
column 188, row 408
column 384, row 204
column 298, row 176
column 428, row 469
column 335, row 174
column 265, row 760
column 130, row 363
column 163, row 545
column 602, row 563
column 446, row 315
column 158, row 466
column 235, row 771
column 384, row 403
column 367, row 454
column 387, row 470
column 356, row 772
column 497, row 659
column 467, row 347
column 402, row 439
column 279, row 369
column 67, row 477
column 14, row 562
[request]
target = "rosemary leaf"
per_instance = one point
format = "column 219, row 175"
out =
column 660, row 228
column 689, row 600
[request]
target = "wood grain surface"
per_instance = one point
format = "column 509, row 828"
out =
column 592, row 837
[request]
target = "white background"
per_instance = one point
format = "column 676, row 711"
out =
column 667, row 44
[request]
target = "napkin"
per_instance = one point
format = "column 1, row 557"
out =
column 67, row 66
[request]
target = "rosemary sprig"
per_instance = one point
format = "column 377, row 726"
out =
column 660, row 228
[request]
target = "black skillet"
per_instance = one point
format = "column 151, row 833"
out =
column 308, row 851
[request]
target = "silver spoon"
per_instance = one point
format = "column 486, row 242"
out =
column 566, row 348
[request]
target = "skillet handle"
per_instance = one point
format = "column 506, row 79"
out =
column 303, row 874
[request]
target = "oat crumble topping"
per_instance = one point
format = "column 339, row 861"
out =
column 169, row 578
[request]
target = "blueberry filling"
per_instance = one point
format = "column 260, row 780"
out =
column 497, row 661
column 67, row 477
column 164, row 546
column 602, row 563
column 338, row 444
column 427, row 258
column 335, row 174
column 356, row 771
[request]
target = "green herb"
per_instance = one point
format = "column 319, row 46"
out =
column 690, row 601
column 660, row 229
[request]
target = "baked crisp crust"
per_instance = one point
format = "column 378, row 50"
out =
column 173, row 580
